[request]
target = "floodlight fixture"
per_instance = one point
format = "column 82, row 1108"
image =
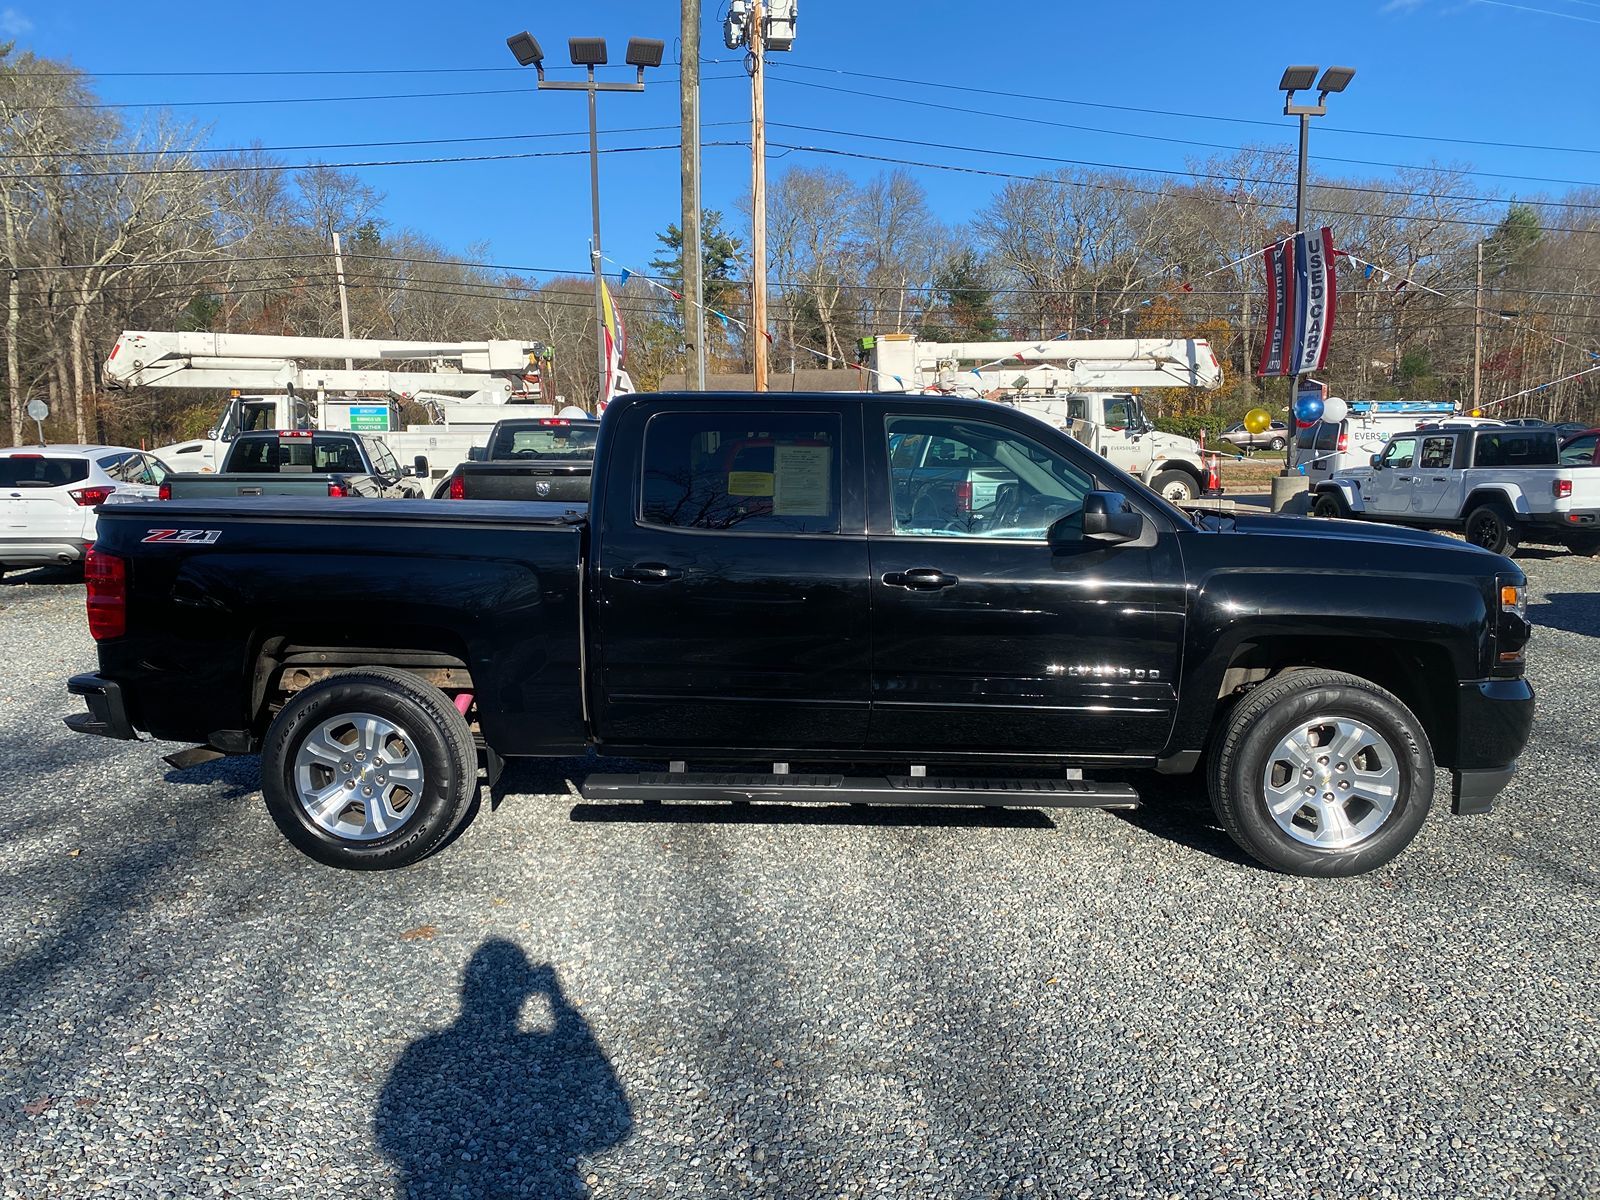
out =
column 526, row 47
column 587, row 52
column 645, row 52
column 1336, row 79
column 1297, row 79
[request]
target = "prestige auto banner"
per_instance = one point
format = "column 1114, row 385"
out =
column 1301, row 299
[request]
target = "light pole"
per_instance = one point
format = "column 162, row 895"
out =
column 591, row 53
column 1302, row 79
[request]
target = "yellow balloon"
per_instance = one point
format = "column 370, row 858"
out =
column 1258, row 420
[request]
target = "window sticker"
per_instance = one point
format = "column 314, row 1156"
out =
column 750, row 483
column 801, row 480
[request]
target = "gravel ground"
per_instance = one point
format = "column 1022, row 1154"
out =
column 576, row 1000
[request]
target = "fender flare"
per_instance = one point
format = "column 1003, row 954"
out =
column 1508, row 494
column 1348, row 490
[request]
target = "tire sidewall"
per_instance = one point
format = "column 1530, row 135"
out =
column 1397, row 726
column 1507, row 539
column 436, row 811
column 1329, row 502
column 1172, row 475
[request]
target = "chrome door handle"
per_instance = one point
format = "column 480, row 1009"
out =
column 920, row 579
column 647, row 573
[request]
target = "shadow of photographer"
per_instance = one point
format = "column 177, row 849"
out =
column 492, row 1107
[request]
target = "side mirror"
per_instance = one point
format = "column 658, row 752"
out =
column 1377, row 462
column 478, row 454
column 1106, row 518
column 419, row 466
column 211, row 435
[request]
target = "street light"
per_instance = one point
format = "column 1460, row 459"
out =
column 590, row 53
column 1303, row 79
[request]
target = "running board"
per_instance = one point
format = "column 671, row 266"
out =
column 860, row 789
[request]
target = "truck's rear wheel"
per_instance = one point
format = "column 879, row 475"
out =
column 368, row 769
column 1494, row 528
column 1175, row 485
column 1321, row 773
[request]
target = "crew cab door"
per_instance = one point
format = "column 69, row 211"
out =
column 730, row 578
column 987, row 638
column 1438, row 485
column 1387, row 491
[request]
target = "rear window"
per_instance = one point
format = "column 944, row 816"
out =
column 1517, row 448
column 32, row 470
column 573, row 443
column 1323, row 436
column 295, row 456
column 745, row 473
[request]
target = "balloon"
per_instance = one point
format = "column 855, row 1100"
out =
column 1334, row 409
column 1308, row 408
column 1258, row 420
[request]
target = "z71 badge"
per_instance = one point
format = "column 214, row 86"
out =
column 203, row 537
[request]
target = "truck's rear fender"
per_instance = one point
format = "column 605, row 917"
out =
column 1416, row 641
column 1508, row 494
column 209, row 627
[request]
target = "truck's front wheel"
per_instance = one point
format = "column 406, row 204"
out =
column 1175, row 486
column 368, row 769
column 1321, row 773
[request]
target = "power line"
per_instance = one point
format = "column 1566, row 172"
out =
column 1182, row 174
column 1272, row 151
column 904, row 162
column 103, row 104
column 393, row 162
column 1161, row 112
column 447, row 141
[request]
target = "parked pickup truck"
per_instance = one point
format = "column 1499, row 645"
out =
column 302, row 462
column 528, row 458
column 1500, row 485
column 717, row 609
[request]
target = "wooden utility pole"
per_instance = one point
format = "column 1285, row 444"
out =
column 1477, row 336
column 694, row 320
column 758, row 199
column 344, row 303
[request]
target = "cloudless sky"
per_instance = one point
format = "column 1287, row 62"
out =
column 1432, row 69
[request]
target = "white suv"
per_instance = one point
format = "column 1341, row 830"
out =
column 48, row 496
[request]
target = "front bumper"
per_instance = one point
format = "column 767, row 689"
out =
column 107, row 715
column 1493, row 720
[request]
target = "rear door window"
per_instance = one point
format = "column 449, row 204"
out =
column 41, row 471
column 742, row 473
column 1438, row 452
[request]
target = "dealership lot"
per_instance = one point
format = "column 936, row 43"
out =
column 785, row 1002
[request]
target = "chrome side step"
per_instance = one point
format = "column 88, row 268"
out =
column 860, row 789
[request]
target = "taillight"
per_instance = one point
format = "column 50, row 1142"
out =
column 458, row 488
column 90, row 496
column 336, row 489
column 1561, row 487
column 1344, row 441
column 164, row 492
column 105, row 577
column 964, row 496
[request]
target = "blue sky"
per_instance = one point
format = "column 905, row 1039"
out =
column 1433, row 69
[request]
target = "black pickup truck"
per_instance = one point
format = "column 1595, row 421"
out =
column 808, row 623
column 528, row 458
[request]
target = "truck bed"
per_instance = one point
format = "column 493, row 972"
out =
column 217, row 587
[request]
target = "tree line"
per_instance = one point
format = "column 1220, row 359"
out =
column 108, row 225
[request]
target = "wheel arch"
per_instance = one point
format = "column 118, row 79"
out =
column 1419, row 674
column 1508, row 495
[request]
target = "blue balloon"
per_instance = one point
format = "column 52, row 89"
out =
column 1308, row 409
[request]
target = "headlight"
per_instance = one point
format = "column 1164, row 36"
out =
column 1512, row 629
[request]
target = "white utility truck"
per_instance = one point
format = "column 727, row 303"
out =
column 1079, row 386
column 466, row 387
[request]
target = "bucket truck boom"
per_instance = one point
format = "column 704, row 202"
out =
column 1077, row 385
